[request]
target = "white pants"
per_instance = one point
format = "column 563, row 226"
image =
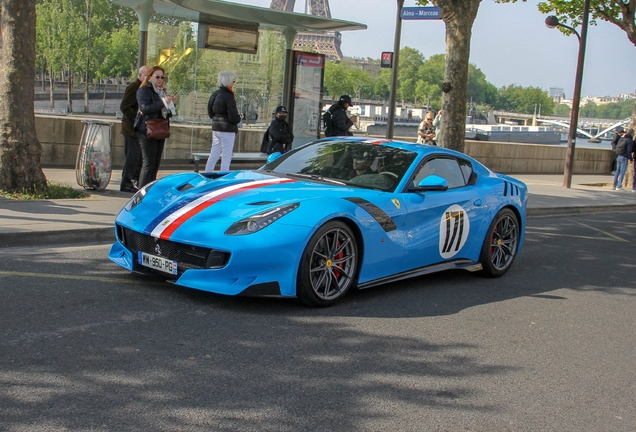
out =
column 222, row 145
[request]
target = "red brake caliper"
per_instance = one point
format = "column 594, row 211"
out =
column 340, row 255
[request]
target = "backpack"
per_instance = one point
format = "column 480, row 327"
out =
column 265, row 142
column 327, row 122
column 621, row 146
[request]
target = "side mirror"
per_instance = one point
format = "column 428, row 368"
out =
column 432, row 183
column 273, row 157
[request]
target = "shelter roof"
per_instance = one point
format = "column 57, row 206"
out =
column 223, row 12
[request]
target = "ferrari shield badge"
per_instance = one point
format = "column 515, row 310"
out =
column 396, row 203
column 454, row 227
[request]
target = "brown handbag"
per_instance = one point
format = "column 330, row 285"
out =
column 157, row 129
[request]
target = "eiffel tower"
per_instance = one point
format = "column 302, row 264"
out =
column 323, row 43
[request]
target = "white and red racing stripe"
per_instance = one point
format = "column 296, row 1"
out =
column 167, row 226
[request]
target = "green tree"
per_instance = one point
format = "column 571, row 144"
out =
column 458, row 16
column 621, row 13
column 408, row 74
column 360, row 84
column 562, row 110
column 382, row 85
column 589, row 110
column 525, row 100
column 20, row 150
column 335, row 80
column 121, row 54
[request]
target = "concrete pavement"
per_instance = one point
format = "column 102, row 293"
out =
column 68, row 221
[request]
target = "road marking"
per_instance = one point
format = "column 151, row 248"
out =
column 613, row 238
column 75, row 277
column 600, row 230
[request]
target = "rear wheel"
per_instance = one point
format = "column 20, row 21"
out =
column 500, row 246
column 329, row 265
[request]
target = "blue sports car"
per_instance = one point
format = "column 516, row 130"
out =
column 326, row 217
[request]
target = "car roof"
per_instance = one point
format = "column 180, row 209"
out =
column 421, row 149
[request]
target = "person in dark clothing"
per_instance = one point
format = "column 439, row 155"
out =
column 225, row 118
column 280, row 133
column 132, row 150
column 154, row 103
column 623, row 158
column 341, row 122
column 619, row 133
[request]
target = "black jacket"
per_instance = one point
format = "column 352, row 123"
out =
column 222, row 110
column 150, row 105
column 281, row 136
column 615, row 141
column 128, row 108
column 341, row 122
column 630, row 147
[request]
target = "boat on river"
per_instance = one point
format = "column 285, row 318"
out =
column 513, row 133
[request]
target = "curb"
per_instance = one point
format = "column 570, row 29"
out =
column 107, row 235
column 558, row 211
column 57, row 238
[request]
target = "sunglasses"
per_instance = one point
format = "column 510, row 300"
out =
column 365, row 155
column 159, row 76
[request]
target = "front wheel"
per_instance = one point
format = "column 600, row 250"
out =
column 500, row 245
column 328, row 266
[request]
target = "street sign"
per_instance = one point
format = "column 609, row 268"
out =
column 421, row 13
column 387, row 59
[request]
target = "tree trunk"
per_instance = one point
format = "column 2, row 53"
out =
column 51, row 89
column 69, row 93
column 458, row 15
column 20, row 150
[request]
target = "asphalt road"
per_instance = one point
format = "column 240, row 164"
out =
column 86, row 346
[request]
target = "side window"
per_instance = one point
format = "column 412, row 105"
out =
column 446, row 168
column 467, row 171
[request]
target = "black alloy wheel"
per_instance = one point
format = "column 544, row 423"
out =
column 329, row 265
column 500, row 245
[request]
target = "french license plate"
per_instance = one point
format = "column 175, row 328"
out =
column 157, row 263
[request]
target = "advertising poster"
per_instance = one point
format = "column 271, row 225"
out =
column 309, row 73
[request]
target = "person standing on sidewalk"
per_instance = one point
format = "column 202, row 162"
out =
column 280, row 133
column 225, row 119
column 132, row 150
column 154, row 103
column 623, row 150
column 341, row 123
column 437, row 124
column 619, row 133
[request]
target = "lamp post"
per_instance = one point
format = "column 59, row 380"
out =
column 553, row 22
column 394, row 73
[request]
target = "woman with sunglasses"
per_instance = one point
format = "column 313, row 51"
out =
column 225, row 118
column 153, row 103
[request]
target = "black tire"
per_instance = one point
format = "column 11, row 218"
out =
column 500, row 245
column 329, row 265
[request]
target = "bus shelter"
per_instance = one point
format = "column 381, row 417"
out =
column 233, row 28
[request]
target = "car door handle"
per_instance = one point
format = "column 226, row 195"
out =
column 477, row 203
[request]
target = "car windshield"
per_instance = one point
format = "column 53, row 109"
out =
column 349, row 163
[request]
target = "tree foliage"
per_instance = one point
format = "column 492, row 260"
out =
column 621, row 13
column 526, row 100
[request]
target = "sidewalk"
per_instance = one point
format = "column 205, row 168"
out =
column 67, row 221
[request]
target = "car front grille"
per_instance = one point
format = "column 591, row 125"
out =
column 187, row 256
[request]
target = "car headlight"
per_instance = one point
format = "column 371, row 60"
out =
column 260, row 220
column 139, row 196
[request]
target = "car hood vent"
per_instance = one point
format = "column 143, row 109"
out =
column 511, row 189
column 262, row 203
column 185, row 187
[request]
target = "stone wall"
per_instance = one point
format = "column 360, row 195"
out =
column 60, row 137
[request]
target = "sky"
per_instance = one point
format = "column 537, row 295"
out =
column 510, row 44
